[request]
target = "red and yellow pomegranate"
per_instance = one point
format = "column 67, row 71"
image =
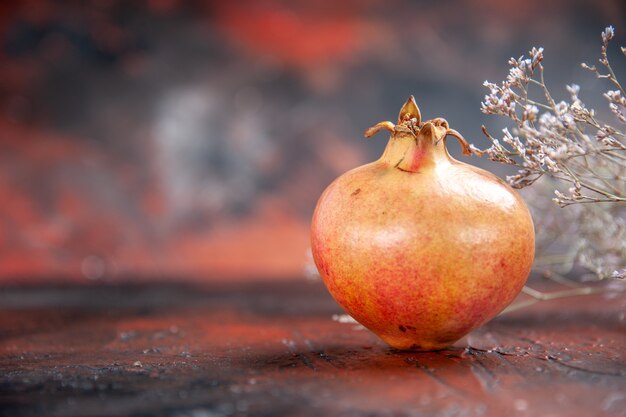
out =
column 419, row 247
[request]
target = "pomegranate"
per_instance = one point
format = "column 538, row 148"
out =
column 419, row 247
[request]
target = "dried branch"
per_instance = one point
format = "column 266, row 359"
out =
column 564, row 144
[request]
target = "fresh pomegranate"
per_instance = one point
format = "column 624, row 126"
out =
column 419, row 247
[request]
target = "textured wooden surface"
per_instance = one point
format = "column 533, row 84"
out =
column 266, row 350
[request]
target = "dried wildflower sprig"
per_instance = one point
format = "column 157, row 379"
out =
column 557, row 143
column 583, row 158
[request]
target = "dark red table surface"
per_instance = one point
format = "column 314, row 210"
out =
column 274, row 350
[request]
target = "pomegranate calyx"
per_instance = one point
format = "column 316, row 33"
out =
column 410, row 111
column 464, row 145
column 377, row 127
column 410, row 121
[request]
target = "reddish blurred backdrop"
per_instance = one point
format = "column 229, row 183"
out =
column 178, row 140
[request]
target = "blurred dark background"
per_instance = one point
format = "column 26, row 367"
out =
column 190, row 140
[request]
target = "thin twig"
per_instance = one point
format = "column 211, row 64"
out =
column 542, row 296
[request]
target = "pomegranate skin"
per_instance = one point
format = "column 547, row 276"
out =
column 419, row 247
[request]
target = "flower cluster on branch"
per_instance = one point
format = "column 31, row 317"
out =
column 569, row 147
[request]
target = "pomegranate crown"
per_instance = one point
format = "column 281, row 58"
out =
column 410, row 121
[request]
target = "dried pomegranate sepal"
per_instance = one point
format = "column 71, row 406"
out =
column 409, row 121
